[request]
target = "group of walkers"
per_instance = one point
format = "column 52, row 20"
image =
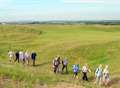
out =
column 23, row 57
column 57, row 62
column 102, row 76
column 85, row 69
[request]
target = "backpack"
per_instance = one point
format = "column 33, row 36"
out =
column 98, row 72
column 55, row 62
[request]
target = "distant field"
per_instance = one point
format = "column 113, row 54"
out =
column 92, row 44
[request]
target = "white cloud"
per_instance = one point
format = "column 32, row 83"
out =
column 4, row 3
column 83, row 1
column 91, row 1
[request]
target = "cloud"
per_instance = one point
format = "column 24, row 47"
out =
column 83, row 1
column 4, row 3
column 91, row 1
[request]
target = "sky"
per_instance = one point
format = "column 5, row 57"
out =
column 45, row 10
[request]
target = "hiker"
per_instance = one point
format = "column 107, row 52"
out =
column 106, row 75
column 98, row 75
column 59, row 62
column 76, row 70
column 11, row 56
column 27, row 57
column 85, row 70
column 64, row 64
column 55, row 64
column 33, row 57
column 21, row 57
column 17, row 56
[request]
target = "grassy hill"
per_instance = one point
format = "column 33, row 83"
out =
column 92, row 44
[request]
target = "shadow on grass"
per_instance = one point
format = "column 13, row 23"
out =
column 45, row 63
column 91, row 78
column 114, row 81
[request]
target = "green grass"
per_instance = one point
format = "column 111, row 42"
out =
column 92, row 44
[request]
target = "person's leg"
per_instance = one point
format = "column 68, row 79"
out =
column 18, row 59
column 58, row 69
column 100, row 81
column 77, row 75
column 74, row 75
column 24, row 61
column 33, row 62
column 96, row 80
column 103, row 80
column 55, row 69
column 15, row 59
column 83, row 76
column 10, row 59
column 63, row 68
column 107, row 81
column 28, row 61
column 86, row 78
column 66, row 69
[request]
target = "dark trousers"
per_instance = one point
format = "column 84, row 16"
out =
column 17, row 59
column 85, row 76
column 24, row 61
column 33, row 62
column 65, row 67
column 55, row 68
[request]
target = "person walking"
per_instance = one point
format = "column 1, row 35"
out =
column 11, row 56
column 64, row 65
column 21, row 56
column 55, row 64
column 85, row 70
column 76, row 70
column 59, row 64
column 33, row 57
column 17, row 56
column 98, row 75
column 106, row 75
column 27, row 57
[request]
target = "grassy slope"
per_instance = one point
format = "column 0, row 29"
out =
column 92, row 44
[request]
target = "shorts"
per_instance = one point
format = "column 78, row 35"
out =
column 107, row 78
column 75, row 73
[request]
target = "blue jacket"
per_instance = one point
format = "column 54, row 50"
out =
column 33, row 56
column 75, row 68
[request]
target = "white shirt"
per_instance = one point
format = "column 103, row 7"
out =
column 21, row 55
column 27, row 55
column 10, row 54
column 106, row 72
column 84, row 69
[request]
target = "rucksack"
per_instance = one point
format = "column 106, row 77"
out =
column 55, row 62
column 98, row 72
